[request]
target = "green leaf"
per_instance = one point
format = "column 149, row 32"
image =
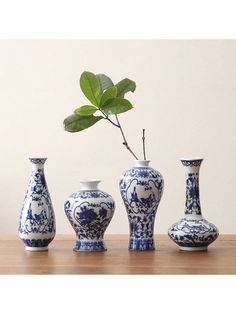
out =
column 108, row 94
column 86, row 110
column 124, row 86
column 90, row 86
column 77, row 123
column 116, row 106
column 104, row 81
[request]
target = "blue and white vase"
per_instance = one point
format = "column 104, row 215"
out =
column 193, row 232
column 141, row 189
column 89, row 211
column 37, row 225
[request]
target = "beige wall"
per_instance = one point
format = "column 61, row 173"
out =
column 185, row 98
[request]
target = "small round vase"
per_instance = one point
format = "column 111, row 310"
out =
column 141, row 189
column 89, row 211
column 193, row 232
column 37, row 225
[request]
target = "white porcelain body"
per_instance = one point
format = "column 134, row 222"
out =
column 37, row 226
column 193, row 232
column 141, row 189
column 89, row 211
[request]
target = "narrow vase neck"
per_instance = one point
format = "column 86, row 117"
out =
column 89, row 185
column 37, row 163
column 192, row 205
column 141, row 163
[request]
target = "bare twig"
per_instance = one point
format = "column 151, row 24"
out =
column 125, row 141
column 144, row 151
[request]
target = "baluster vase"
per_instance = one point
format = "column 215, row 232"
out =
column 141, row 189
column 89, row 211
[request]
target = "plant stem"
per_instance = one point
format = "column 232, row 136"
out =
column 107, row 118
column 121, row 130
column 125, row 141
column 112, row 122
column 144, row 152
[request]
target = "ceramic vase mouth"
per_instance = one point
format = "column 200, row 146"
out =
column 192, row 159
column 89, row 184
column 191, row 162
column 38, row 160
column 141, row 163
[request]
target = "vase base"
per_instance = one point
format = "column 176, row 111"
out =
column 199, row 248
column 36, row 249
column 141, row 244
column 142, row 250
column 90, row 246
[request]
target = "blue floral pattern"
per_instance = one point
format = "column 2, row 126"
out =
column 89, row 194
column 36, row 242
column 192, row 204
column 90, row 213
column 37, row 220
column 193, row 233
column 90, row 246
column 141, row 190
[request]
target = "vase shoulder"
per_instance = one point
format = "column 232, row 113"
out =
column 193, row 232
column 142, row 172
column 87, row 194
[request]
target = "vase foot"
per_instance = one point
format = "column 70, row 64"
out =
column 199, row 248
column 89, row 246
column 141, row 244
column 36, row 249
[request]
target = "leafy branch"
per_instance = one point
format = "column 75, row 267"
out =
column 106, row 99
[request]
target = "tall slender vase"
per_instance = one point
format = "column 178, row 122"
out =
column 89, row 211
column 37, row 225
column 141, row 188
column 193, row 232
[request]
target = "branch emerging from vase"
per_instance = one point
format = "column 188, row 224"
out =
column 144, row 150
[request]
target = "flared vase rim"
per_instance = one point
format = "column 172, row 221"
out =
column 38, row 158
column 38, row 161
column 192, row 159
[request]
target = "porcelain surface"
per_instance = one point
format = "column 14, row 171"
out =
column 37, row 225
column 193, row 232
column 89, row 212
column 141, row 189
